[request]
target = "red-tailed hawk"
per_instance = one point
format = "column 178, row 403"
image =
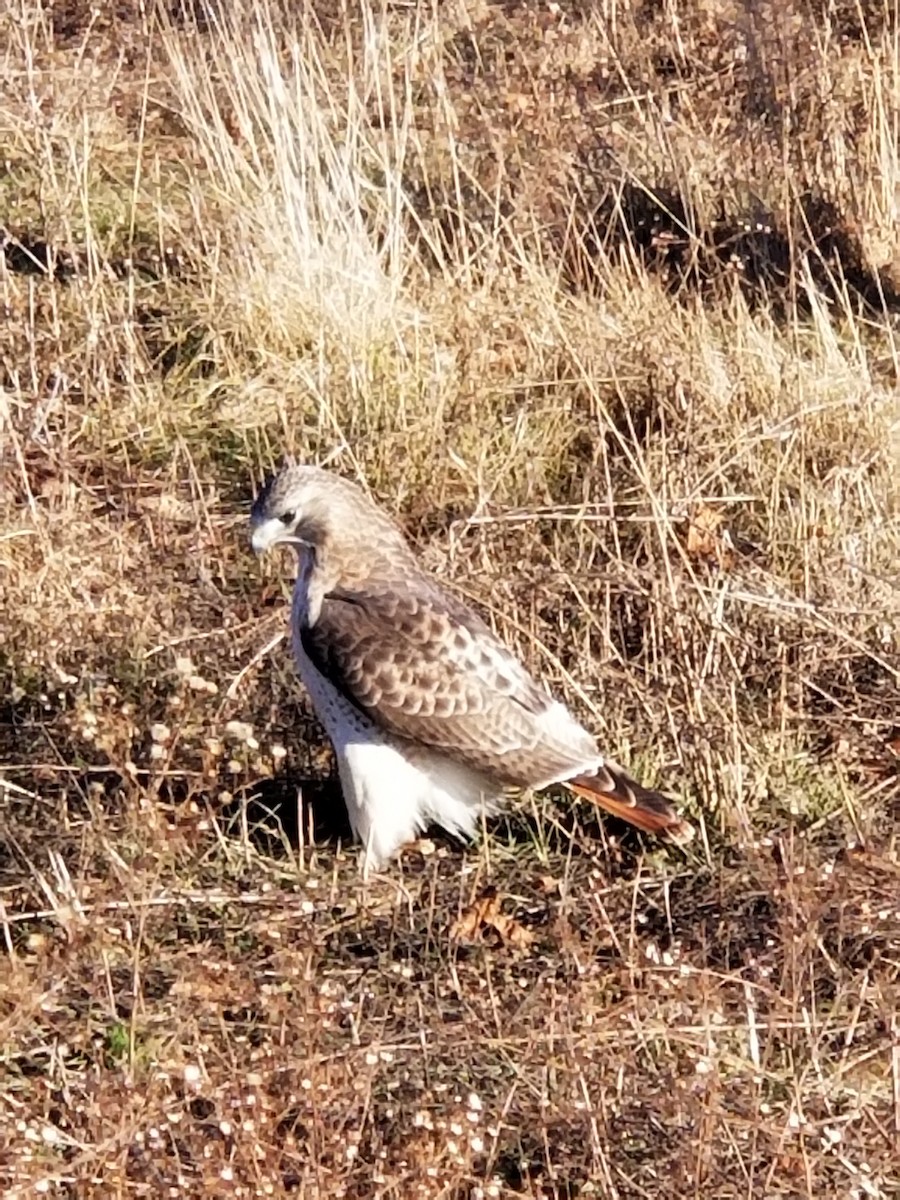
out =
column 430, row 715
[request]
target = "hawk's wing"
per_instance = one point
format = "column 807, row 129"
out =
column 421, row 664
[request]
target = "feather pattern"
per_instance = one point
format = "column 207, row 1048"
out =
column 422, row 665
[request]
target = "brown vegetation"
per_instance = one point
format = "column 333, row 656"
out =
column 602, row 301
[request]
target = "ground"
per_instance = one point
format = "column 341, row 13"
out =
column 603, row 303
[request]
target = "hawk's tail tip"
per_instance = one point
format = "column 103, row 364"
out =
column 679, row 833
column 650, row 811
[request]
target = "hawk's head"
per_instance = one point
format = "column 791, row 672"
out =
column 306, row 506
column 292, row 507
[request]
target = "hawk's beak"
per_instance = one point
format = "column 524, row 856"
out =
column 273, row 533
column 265, row 535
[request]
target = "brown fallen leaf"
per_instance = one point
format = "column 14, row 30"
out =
column 484, row 914
column 705, row 537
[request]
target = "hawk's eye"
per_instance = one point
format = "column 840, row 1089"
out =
column 287, row 518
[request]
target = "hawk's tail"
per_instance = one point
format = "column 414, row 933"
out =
column 613, row 789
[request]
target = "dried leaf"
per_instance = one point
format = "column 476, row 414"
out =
column 484, row 914
column 705, row 537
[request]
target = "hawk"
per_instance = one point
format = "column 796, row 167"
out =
column 430, row 715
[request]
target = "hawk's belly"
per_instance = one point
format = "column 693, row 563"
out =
column 393, row 788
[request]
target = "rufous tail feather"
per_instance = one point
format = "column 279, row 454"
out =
column 614, row 790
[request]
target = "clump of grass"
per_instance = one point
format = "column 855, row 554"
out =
column 304, row 193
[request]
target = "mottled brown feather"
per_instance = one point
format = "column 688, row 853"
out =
column 425, row 667
column 614, row 790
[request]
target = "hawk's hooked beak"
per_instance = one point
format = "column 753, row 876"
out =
column 273, row 533
column 267, row 534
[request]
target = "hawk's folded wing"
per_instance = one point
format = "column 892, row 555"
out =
column 421, row 665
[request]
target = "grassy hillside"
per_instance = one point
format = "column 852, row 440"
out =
column 603, row 302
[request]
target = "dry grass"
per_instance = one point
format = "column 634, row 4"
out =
column 603, row 302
